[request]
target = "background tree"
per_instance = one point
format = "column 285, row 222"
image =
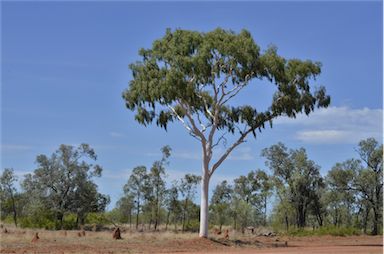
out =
column 86, row 199
column 136, row 187
column 59, row 177
column 340, row 197
column 371, row 152
column 299, row 176
column 125, row 206
column 220, row 203
column 187, row 189
column 8, row 190
column 172, row 204
column 192, row 77
column 366, row 180
column 265, row 186
column 157, row 183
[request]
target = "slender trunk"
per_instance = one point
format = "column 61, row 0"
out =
column 265, row 211
column 365, row 220
column 60, row 219
column 157, row 208
column 184, row 213
column 375, row 229
column 166, row 224
column 286, row 222
column 204, row 203
column 137, row 214
column 14, row 209
column 130, row 218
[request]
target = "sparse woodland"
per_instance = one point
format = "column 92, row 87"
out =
column 288, row 193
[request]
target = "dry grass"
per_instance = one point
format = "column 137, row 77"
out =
column 20, row 241
column 73, row 241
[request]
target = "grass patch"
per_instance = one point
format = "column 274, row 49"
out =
column 329, row 230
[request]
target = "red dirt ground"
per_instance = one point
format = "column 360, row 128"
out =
column 102, row 242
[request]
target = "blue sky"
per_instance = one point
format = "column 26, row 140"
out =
column 65, row 65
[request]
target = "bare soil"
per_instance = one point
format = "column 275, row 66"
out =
column 19, row 241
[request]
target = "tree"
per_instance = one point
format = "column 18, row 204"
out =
column 188, row 190
column 371, row 152
column 59, row 180
column 125, row 206
column 366, row 180
column 299, row 176
column 220, row 202
column 340, row 196
column 157, row 183
column 86, row 199
column 172, row 204
column 136, row 187
column 193, row 77
column 7, row 187
column 262, row 180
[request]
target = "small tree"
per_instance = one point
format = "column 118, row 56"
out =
column 136, row 187
column 172, row 204
column 7, row 187
column 187, row 189
column 157, row 183
column 192, row 77
column 371, row 153
column 125, row 206
column 220, row 202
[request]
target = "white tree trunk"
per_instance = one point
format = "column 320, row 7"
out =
column 204, row 204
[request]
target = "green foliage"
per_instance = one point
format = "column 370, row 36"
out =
column 69, row 222
column 98, row 218
column 297, row 179
column 192, row 226
column 62, row 183
column 184, row 66
column 328, row 230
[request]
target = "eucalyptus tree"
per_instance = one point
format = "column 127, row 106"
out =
column 156, row 182
column 340, row 195
column 193, row 77
column 86, row 199
column 221, row 202
column 187, row 190
column 172, row 204
column 298, row 176
column 264, row 183
column 371, row 153
column 59, row 177
column 364, row 177
column 8, row 190
column 136, row 187
column 125, row 206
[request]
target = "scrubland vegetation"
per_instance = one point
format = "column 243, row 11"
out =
column 61, row 194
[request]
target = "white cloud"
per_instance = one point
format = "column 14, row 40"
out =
column 337, row 125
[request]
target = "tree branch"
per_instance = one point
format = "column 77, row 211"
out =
column 186, row 126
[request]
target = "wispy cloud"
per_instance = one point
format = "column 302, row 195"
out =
column 337, row 125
